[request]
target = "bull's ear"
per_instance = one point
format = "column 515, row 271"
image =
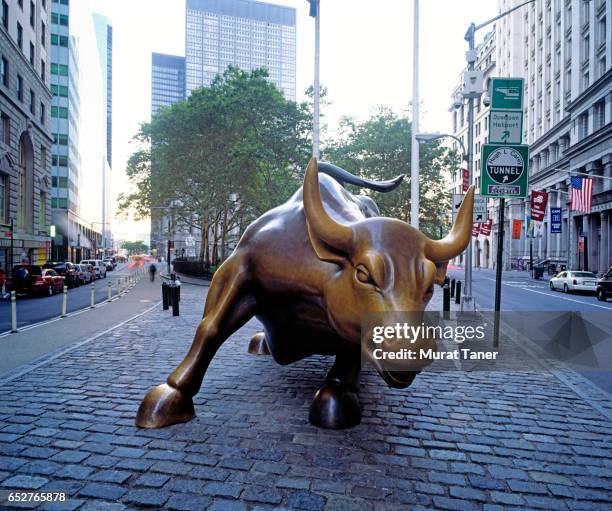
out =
column 441, row 269
column 329, row 239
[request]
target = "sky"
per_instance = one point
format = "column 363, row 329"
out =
column 366, row 61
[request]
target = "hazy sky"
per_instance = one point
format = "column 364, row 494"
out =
column 366, row 60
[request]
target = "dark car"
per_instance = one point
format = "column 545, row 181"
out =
column 68, row 270
column 604, row 286
column 29, row 279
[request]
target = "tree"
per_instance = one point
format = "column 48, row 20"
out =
column 380, row 148
column 135, row 247
column 221, row 158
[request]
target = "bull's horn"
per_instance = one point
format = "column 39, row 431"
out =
column 455, row 242
column 321, row 225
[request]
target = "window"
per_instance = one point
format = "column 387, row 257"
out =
column 4, row 71
column 59, row 40
column 42, row 212
column 59, row 69
column 32, row 53
column 6, row 129
column 20, row 36
column 583, row 125
column 3, row 198
column 599, row 115
column 43, row 113
column 59, row 112
column 59, row 19
column 20, row 2
column 43, row 33
column 19, row 87
column 32, row 13
column 32, row 102
column 43, row 70
column 5, row 14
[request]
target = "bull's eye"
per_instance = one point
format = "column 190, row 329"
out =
column 363, row 275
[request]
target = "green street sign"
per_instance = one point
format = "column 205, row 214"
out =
column 504, row 170
column 507, row 94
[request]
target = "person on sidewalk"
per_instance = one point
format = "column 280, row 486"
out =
column 152, row 271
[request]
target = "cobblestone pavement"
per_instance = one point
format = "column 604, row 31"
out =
column 450, row 441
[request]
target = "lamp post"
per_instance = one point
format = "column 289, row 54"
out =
column 315, row 12
column 414, row 153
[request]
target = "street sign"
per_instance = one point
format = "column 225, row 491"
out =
column 480, row 207
column 507, row 94
column 539, row 200
column 505, row 127
column 504, row 170
column 555, row 220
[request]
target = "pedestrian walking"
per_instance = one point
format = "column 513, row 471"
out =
column 152, row 271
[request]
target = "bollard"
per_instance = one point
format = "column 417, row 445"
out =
column 14, row 312
column 65, row 302
column 164, row 287
column 446, row 302
column 452, row 288
column 175, row 302
column 92, row 300
column 119, row 290
column 458, row 292
column 110, row 291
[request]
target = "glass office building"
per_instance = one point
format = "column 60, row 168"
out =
column 244, row 33
column 167, row 80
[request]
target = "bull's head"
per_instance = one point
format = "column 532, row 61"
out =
column 384, row 264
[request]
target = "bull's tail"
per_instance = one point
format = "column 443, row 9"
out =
column 343, row 177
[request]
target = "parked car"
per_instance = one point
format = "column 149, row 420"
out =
column 604, row 286
column 29, row 279
column 570, row 281
column 98, row 265
column 110, row 265
column 86, row 273
column 67, row 270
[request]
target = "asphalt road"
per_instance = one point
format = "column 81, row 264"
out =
column 521, row 293
column 40, row 308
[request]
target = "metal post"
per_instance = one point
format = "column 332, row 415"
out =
column 458, row 292
column 92, row 300
column 452, row 288
column 531, row 256
column 164, row 287
column 467, row 298
column 65, row 302
column 317, row 86
column 414, row 152
column 175, row 300
column 446, row 301
column 110, row 291
column 14, row 312
column 119, row 289
column 498, row 270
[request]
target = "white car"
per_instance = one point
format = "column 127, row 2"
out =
column 569, row 281
column 98, row 266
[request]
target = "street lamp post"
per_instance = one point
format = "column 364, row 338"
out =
column 414, row 153
column 315, row 11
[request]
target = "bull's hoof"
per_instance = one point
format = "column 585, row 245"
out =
column 258, row 345
column 334, row 408
column 163, row 406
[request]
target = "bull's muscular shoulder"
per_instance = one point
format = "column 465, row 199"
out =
column 277, row 245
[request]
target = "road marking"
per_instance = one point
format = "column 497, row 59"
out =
column 557, row 296
column 45, row 359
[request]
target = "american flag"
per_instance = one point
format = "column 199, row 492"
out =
column 582, row 193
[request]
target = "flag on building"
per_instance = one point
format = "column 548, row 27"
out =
column 313, row 8
column 582, row 193
column 517, row 226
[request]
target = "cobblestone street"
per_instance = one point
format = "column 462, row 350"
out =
column 451, row 441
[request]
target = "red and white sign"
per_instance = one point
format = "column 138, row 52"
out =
column 465, row 174
column 476, row 230
column 539, row 200
column 485, row 228
column 516, row 229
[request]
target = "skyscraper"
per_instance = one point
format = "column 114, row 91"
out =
column 244, row 33
column 167, row 80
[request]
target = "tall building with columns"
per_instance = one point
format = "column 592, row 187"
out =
column 563, row 50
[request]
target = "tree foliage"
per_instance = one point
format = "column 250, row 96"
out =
column 380, row 148
column 135, row 247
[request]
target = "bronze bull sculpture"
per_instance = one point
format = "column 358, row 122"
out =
column 309, row 270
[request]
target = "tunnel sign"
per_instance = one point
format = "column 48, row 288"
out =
column 504, row 170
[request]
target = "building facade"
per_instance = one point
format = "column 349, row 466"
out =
column 562, row 49
column 25, row 138
column 244, row 33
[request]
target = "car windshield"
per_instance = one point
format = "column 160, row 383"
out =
column 583, row 274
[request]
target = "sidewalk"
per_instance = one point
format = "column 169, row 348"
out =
column 457, row 441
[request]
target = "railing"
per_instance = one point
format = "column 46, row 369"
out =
column 194, row 267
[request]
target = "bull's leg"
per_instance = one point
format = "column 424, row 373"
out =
column 258, row 345
column 228, row 307
column 336, row 405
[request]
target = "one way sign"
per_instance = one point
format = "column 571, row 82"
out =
column 480, row 207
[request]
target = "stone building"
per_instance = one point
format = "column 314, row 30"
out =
column 25, row 140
